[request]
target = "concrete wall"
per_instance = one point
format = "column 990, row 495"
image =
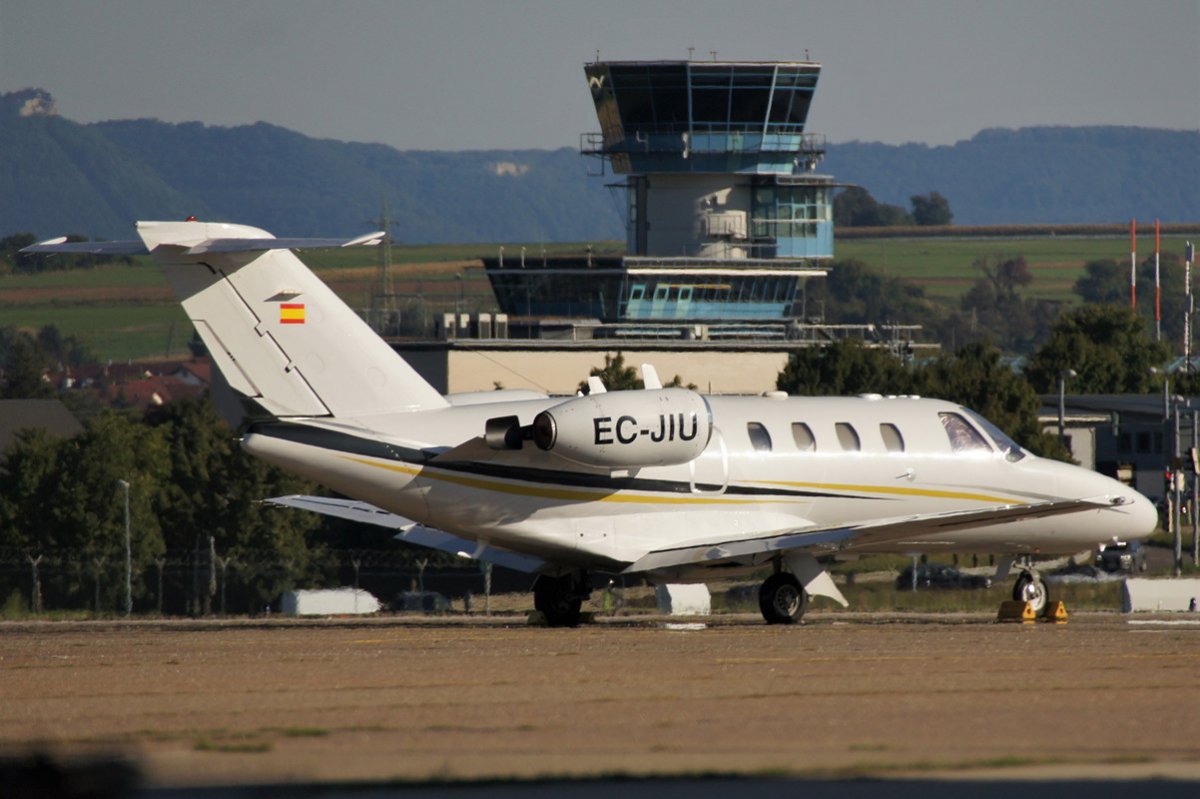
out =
column 1177, row 594
column 561, row 372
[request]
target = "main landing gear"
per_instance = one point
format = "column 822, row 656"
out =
column 560, row 598
column 782, row 599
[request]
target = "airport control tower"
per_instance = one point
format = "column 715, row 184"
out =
column 716, row 155
column 725, row 215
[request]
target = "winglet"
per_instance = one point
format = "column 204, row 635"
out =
column 369, row 240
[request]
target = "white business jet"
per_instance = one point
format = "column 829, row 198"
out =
column 664, row 484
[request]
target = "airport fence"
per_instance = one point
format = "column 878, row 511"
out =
column 203, row 581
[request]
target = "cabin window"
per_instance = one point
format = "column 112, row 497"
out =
column 848, row 437
column 892, row 440
column 963, row 437
column 760, row 439
column 802, row 435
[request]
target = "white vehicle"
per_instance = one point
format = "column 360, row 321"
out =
column 663, row 483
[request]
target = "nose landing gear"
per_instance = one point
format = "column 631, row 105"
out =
column 1031, row 588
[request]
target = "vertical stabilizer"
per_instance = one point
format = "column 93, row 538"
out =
column 282, row 339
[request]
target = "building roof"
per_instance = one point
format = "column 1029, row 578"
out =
column 21, row 414
column 1142, row 407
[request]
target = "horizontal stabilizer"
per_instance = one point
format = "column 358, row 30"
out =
column 411, row 532
column 261, row 245
column 61, row 245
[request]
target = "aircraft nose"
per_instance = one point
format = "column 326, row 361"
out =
column 1135, row 516
column 1143, row 516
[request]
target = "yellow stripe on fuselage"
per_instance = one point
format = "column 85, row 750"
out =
column 902, row 491
column 567, row 494
column 604, row 495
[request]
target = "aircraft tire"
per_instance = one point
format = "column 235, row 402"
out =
column 1031, row 588
column 782, row 599
column 557, row 600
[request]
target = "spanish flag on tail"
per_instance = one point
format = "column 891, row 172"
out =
column 291, row 313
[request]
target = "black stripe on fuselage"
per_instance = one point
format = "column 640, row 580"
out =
column 357, row 445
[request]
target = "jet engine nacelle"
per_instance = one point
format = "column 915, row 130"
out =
column 627, row 429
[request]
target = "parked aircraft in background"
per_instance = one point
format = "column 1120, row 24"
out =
column 662, row 483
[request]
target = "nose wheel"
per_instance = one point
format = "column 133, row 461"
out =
column 1031, row 588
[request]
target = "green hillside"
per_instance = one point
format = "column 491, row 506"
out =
column 58, row 176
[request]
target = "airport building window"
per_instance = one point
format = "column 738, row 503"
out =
column 802, row 435
column 892, row 440
column 963, row 437
column 760, row 439
column 848, row 437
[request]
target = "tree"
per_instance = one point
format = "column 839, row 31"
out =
column 10, row 246
column 213, row 488
column 846, row 367
column 25, row 366
column 999, row 311
column 67, row 351
column 1104, row 283
column 854, row 293
column 61, row 498
column 931, row 209
column 855, row 207
column 616, row 376
column 1108, row 282
column 1108, row 348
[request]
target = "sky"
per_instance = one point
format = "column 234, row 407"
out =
column 508, row 74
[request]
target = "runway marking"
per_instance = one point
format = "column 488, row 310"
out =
column 1166, row 623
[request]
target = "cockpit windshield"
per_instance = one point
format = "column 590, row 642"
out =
column 1011, row 449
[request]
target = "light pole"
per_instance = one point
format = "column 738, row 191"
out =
column 128, row 553
column 1176, row 468
column 1063, row 374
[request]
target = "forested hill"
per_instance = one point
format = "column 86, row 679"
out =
column 1037, row 175
column 58, row 176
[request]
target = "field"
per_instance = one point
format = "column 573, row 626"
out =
column 404, row 699
column 944, row 267
column 127, row 312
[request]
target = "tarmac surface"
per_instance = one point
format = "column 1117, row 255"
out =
column 941, row 697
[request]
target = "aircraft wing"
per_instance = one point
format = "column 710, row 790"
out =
column 411, row 532
column 896, row 530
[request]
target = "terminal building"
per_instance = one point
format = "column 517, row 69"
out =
column 726, row 218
